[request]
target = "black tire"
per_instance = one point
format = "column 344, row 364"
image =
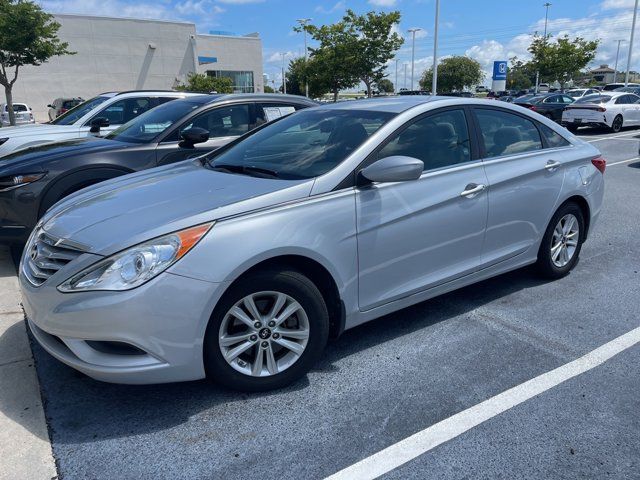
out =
column 545, row 266
column 572, row 129
column 616, row 125
column 291, row 283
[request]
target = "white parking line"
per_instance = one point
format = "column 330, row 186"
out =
column 608, row 137
column 623, row 161
column 408, row 449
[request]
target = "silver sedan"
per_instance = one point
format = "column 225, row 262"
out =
column 241, row 264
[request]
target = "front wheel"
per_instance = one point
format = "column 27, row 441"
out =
column 616, row 126
column 562, row 242
column 267, row 331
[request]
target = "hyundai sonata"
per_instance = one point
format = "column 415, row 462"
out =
column 241, row 264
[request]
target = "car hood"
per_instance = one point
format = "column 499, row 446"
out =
column 128, row 210
column 36, row 129
column 47, row 153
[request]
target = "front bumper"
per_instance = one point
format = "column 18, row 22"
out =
column 162, row 323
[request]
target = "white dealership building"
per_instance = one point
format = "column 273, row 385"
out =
column 115, row 54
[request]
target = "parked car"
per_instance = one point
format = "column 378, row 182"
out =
column 240, row 264
column 507, row 98
column 611, row 109
column 634, row 90
column 62, row 105
column 610, row 87
column 22, row 112
column 33, row 179
column 550, row 105
column 97, row 116
column 414, row 92
column 543, row 88
column 581, row 92
column 481, row 89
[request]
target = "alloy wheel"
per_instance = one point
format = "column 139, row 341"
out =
column 264, row 333
column 565, row 240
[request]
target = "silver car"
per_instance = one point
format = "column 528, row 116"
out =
column 239, row 265
column 21, row 111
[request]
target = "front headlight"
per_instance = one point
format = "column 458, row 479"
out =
column 15, row 181
column 136, row 265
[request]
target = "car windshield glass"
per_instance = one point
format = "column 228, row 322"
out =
column 594, row 99
column 575, row 93
column 303, row 145
column 151, row 124
column 70, row 117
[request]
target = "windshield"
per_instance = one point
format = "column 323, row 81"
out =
column 596, row 98
column 575, row 93
column 304, row 145
column 70, row 117
column 149, row 125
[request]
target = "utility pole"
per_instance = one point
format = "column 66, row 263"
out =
column 615, row 69
column 546, row 17
column 633, row 27
column 303, row 23
column 284, row 77
column 405, row 75
column 413, row 50
column 434, row 82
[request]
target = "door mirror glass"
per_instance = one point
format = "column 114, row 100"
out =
column 396, row 168
column 193, row 136
column 98, row 123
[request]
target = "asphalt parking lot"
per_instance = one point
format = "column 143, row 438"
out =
column 386, row 380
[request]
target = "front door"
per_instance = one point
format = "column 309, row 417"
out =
column 418, row 234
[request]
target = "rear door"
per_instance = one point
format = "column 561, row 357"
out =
column 224, row 123
column 524, row 178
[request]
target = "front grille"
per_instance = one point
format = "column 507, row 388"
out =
column 44, row 256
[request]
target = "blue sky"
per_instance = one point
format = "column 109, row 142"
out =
column 486, row 30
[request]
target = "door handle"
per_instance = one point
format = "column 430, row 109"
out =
column 472, row 190
column 551, row 165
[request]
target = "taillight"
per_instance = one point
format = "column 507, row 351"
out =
column 600, row 163
column 62, row 110
column 602, row 109
column 532, row 107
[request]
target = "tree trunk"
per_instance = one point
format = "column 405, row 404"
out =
column 9, row 96
column 335, row 95
column 368, row 85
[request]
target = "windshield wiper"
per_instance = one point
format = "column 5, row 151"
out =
column 246, row 170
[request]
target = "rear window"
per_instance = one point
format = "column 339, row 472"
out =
column 17, row 107
column 594, row 99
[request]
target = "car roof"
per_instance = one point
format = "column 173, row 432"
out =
column 392, row 104
column 205, row 99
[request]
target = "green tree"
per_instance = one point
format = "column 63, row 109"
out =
column 300, row 71
column 520, row 75
column 454, row 74
column 385, row 85
column 563, row 59
column 268, row 89
column 201, row 83
column 376, row 44
column 333, row 63
column 28, row 36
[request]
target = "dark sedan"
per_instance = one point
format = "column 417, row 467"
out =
column 33, row 179
column 550, row 105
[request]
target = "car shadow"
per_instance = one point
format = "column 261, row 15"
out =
column 80, row 409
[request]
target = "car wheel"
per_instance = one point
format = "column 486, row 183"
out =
column 562, row 242
column 267, row 331
column 616, row 126
column 572, row 129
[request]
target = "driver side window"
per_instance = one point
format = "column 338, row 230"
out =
column 439, row 140
column 122, row 111
column 231, row 121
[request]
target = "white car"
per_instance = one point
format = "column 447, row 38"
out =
column 608, row 109
column 97, row 116
column 581, row 92
column 22, row 111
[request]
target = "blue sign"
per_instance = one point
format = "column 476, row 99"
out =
column 206, row 60
column 500, row 70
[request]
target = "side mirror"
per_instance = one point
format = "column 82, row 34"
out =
column 98, row 123
column 396, row 168
column 51, row 106
column 193, row 136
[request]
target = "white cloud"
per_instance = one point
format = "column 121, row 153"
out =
column 240, row 2
column 336, row 7
column 113, row 8
column 383, row 3
column 277, row 57
column 198, row 7
column 617, row 4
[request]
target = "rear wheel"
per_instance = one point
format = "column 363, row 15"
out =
column 267, row 331
column 616, row 126
column 572, row 129
column 562, row 242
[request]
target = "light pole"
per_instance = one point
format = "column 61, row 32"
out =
column 615, row 69
column 434, row 82
column 633, row 27
column 284, row 77
column 303, row 23
column 413, row 50
column 405, row 75
column 546, row 17
column 395, row 85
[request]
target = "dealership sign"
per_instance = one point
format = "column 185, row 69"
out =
column 500, row 70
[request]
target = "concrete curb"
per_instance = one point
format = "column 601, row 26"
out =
column 25, row 448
